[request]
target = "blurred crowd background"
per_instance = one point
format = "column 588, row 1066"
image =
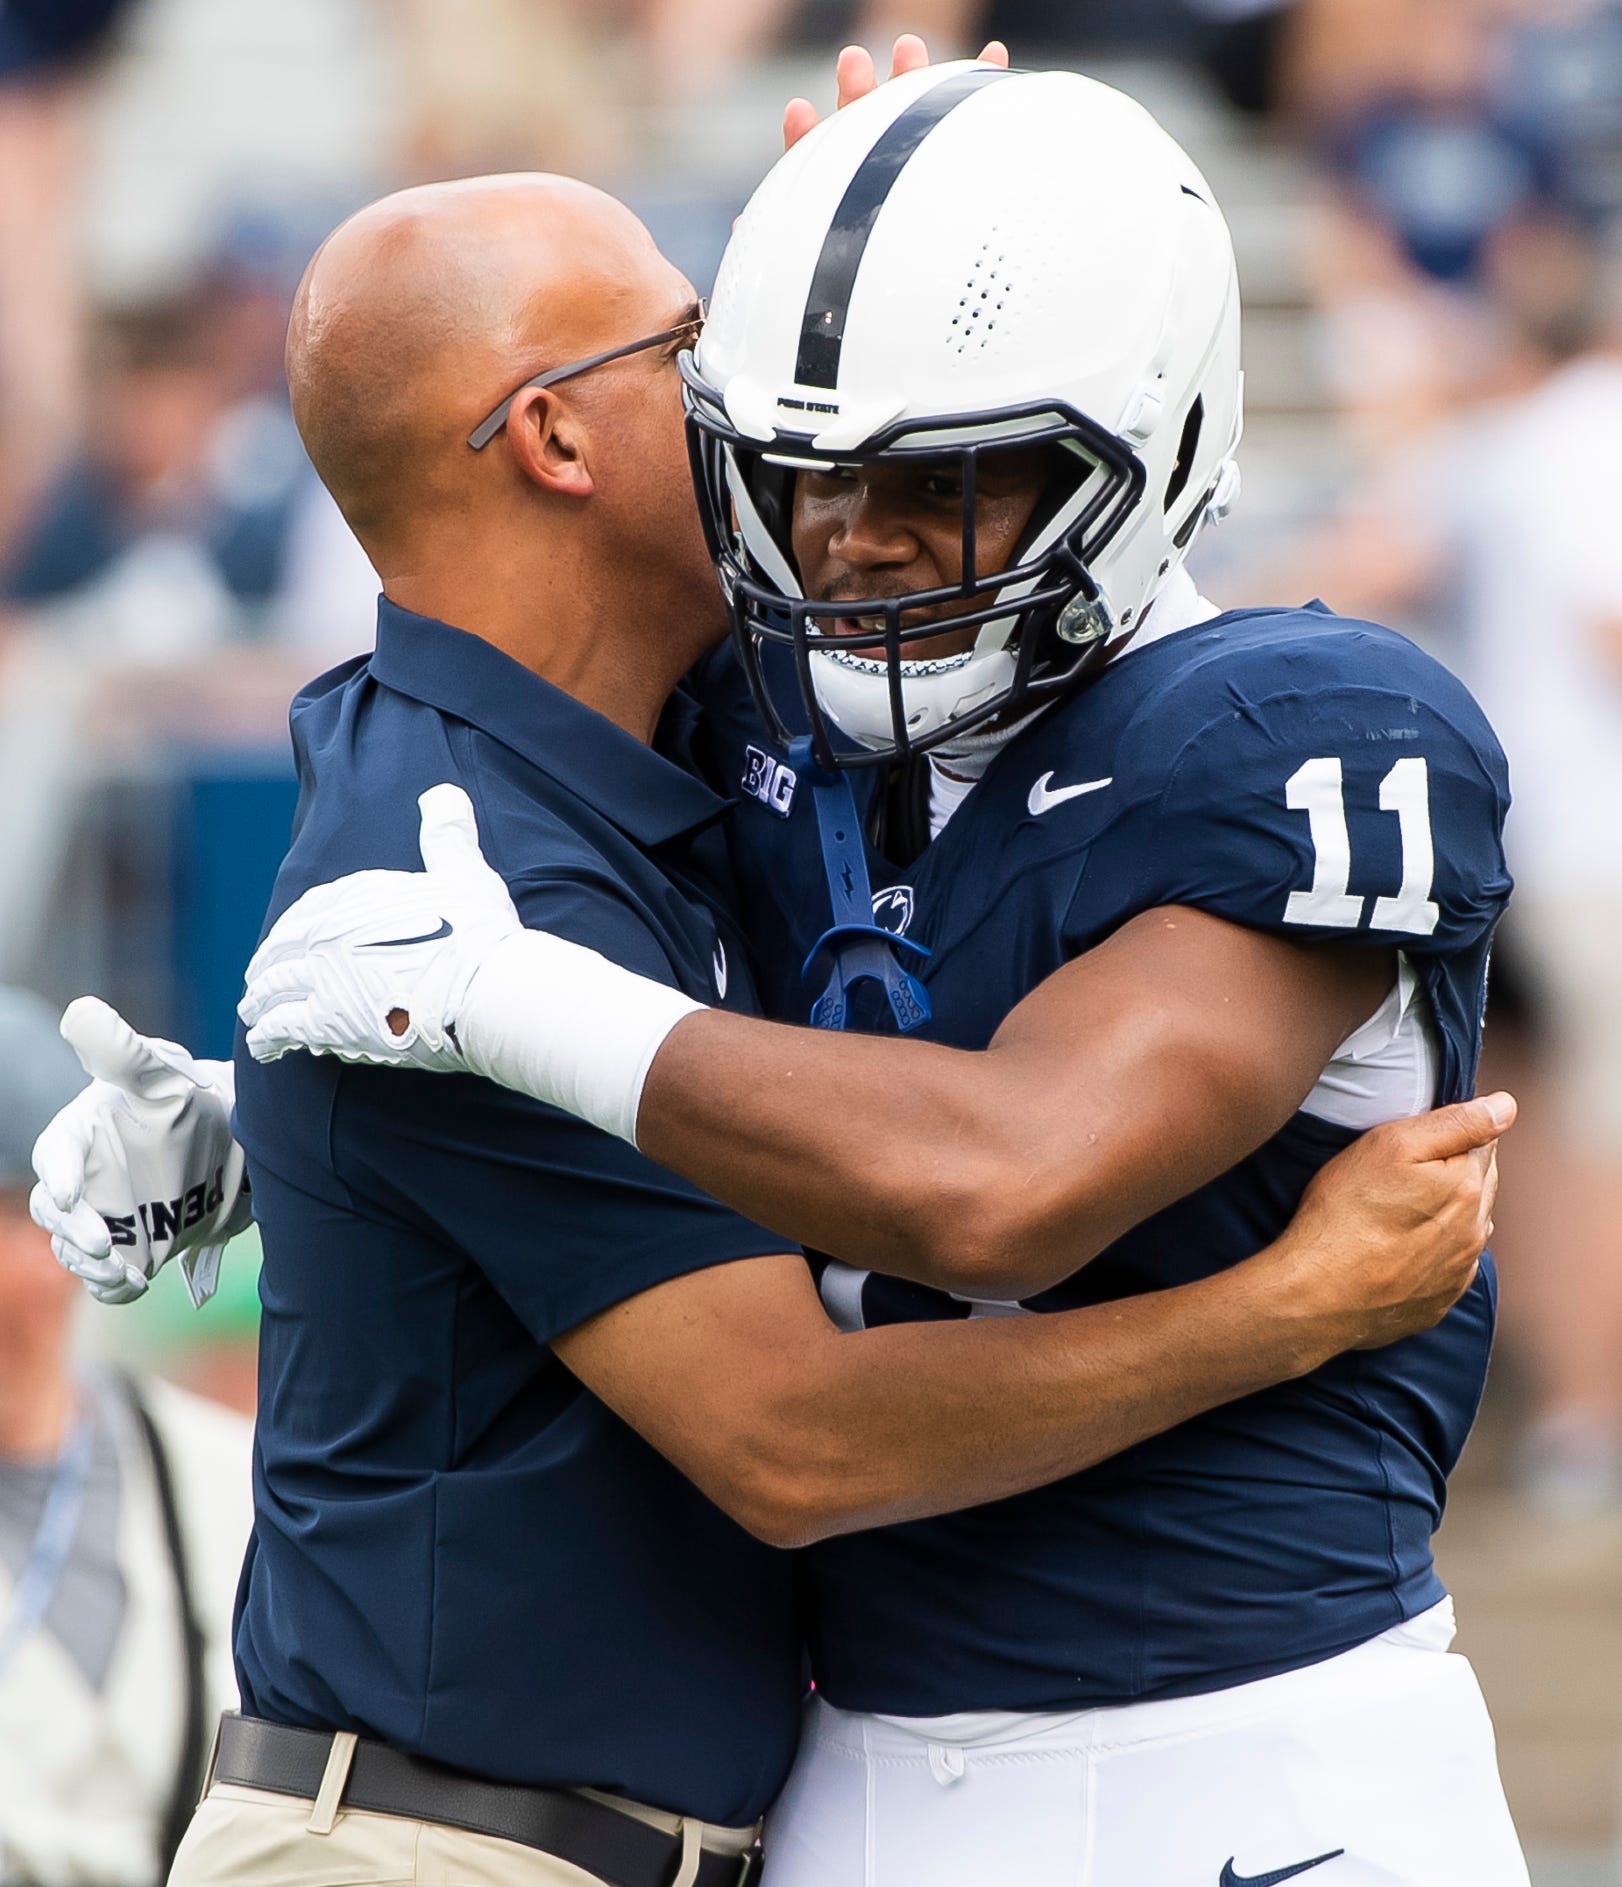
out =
column 1427, row 201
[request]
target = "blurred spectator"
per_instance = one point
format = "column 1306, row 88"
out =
column 1493, row 529
column 691, row 50
column 1036, row 30
column 511, row 85
column 1247, row 49
column 158, row 392
column 1348, row 57
column 44, row 87
column 124, row 1511
column 1438, row 165
column 281, row 546
column 192, row 514
column 325, row 606
column 1522, row 502
column 1555, row 79
column 1447, row 122
column 1398, row 100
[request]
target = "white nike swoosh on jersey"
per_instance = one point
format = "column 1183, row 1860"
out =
column 1043, row 799
column 720, row 963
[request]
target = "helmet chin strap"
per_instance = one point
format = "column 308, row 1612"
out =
column 1178, row 606
column 854, row 692
column 971, row 753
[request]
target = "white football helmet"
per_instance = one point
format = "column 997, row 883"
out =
column 967, row 259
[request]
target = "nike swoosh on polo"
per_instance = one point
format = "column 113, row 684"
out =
column 1044, row 798
column 1231, row 1879
column 398, row 943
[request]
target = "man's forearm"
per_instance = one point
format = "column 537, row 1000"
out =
column 734, row 1373
column 912, row 1420
column 916, row 1419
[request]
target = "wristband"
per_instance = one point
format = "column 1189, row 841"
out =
column 561, row 1023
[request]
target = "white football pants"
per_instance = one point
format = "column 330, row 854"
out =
column 1372, row 1769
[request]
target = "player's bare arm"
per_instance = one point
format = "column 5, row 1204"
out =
column 1129, row 1078
column 800, row 1431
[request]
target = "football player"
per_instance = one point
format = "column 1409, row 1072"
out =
column 1171, row 905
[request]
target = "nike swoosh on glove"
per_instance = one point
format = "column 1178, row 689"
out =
column 444, row 953
column 141, row 1167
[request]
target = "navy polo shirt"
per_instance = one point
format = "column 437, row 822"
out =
column 457, row 1548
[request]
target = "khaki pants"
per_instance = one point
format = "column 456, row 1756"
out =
column 259, row 1839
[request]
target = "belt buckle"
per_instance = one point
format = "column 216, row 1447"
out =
column 749, row 1871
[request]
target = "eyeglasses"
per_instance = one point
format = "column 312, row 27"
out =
column 487, row 429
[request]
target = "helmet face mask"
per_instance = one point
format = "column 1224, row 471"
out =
column 1038, row 618
column 966, row 262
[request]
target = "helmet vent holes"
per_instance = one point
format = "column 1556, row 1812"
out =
column 985, row 294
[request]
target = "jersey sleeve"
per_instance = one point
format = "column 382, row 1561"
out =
column 563, row 1219
column 1336, row 809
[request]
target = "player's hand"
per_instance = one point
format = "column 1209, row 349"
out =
column 435, row 970
column 141, row 1167
column 375, row 967
column 856, row 76
column 1389, row 1234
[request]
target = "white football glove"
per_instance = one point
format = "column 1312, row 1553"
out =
column 445, row 953
column 140, row 1167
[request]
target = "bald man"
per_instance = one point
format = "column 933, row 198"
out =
column 419, row 313
column 535, row 1414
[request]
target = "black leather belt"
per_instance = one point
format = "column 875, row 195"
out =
column 616, row 1847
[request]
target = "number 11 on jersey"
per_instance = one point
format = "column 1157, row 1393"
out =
column 1317, row 788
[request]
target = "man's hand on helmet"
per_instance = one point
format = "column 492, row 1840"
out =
column 856, row 76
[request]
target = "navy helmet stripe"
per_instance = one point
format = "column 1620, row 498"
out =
column 823, row 330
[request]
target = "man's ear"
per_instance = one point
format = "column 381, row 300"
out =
column 548, row 442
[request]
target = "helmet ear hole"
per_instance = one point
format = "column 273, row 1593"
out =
column 1187, row 446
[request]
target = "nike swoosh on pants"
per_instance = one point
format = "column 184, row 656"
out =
column 1231, row 1879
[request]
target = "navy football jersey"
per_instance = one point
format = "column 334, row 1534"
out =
column 1288, row 770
